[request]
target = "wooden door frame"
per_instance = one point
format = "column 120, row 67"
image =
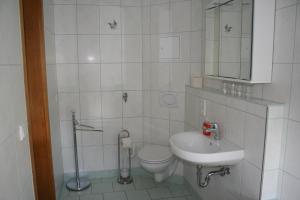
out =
column 32, row 24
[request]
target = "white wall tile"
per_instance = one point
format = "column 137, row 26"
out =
column 110, row 157
column 111, row 50
column 176, row 127
column 279, row 90
column 66, row 48
column 146, row 103
column 297, row 38
column 196, row 15
column 89, row 77
column 111, row 77
column 88, row 18
column 92, row 138
column 93, row 158
column 284, row 35
column 160, row 76
column 160, row 131
column 134, row 105
column 176, row 113
column 157, row 110
column 107, row 15
column 88, row 49
column 68, row 159
column 251, row 182
column 274, row 140
column 66, row 131
column 295, row 94
column 145, row 19
column 111, row 128
column 64, row 2
column 8, row 171
column 290, row 188
column 10, row 50
column 135, row 127
column 235, row 122
column 181, row 22
column 132, row 76
column 112, row 104
column 271, row 182
column 180, row 76
column 67, row 77
column 196, row 46
column 254, row 139
column 160, row 18
column 131, row 20
column 285, row 3
column 132, row 48
column 291, row 164
column 90, row 105
column 12, row 105
column 68, row 102
column 88, row 2
column 131, row 2
column 65, row 19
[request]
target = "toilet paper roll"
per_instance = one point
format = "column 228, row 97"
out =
column 126, row 142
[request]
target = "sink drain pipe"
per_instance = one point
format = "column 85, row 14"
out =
column 221, row 172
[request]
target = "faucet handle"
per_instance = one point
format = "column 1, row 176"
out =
column 206, row 126
column 209, row 129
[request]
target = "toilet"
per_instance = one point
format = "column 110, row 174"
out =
column 158, row 160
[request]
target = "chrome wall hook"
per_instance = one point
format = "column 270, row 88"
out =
column 228, row 28
column 113, row 24
column 125, row 97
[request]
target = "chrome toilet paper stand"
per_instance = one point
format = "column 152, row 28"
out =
column 121, row 179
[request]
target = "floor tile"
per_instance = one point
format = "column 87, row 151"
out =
column 102, row 187
column 109, row 179
column 138, row 195
column 84, row 192
column 159, row 193
column 144, row 183
column 92, row 197
column 179, row 190
column 115, row 196
column 192, row 197
column 70, row 198
column 119, row 187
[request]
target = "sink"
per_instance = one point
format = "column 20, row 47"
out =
column 196, row 148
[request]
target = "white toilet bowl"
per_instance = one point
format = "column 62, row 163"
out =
column 158, row 160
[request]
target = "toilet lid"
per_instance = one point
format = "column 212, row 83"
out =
column 155, row 153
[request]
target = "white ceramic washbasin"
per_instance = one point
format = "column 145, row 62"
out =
column 196, row 148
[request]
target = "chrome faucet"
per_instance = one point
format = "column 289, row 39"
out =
column 213, row 128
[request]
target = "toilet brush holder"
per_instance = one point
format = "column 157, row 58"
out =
column 124, row 154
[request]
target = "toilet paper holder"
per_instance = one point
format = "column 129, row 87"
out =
column 124, row 169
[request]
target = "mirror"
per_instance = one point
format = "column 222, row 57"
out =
column 228, row 39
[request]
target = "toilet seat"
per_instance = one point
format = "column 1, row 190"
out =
column 155, row 154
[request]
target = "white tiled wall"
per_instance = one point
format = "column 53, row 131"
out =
column 15, row 168
column 153, row 49
column 254, row 125
column 95, row 65
column 53, row 93
column 171, row 54
column 285, row 88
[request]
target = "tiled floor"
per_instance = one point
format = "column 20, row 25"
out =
column 143, row 188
